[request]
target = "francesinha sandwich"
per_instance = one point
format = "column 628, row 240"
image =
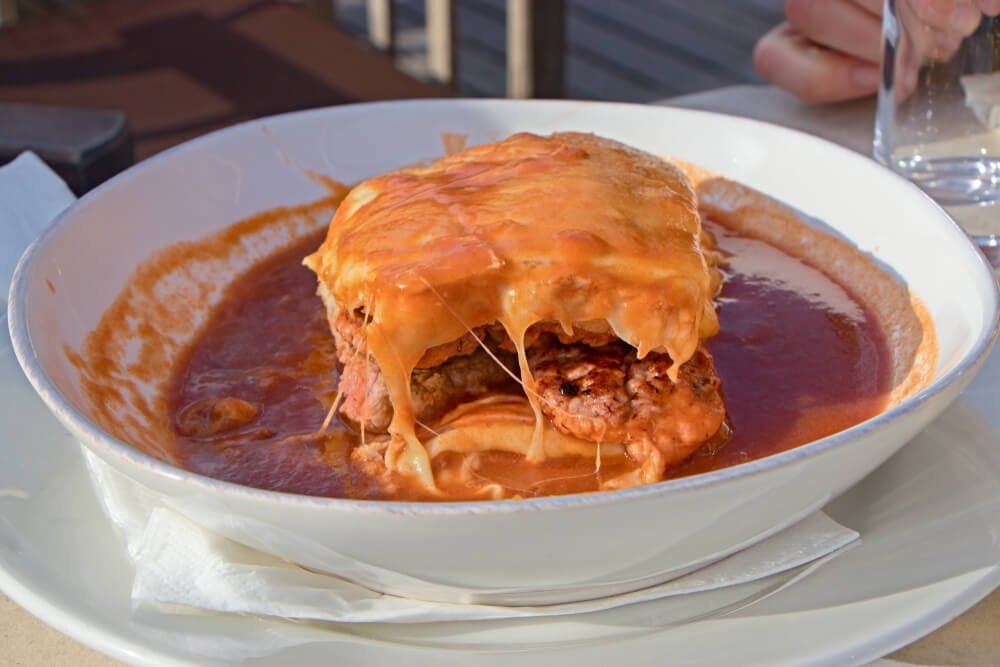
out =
column 557, row 285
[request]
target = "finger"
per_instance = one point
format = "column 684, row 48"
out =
column 927, row 44
column 873, row 7
column 959, row 17
column 813, row 73
column 944, row 46
column 966, row 19
column 906, row 70
column 989, row 7
column 840, row 25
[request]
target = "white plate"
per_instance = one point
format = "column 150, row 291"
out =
column 929, row 520
column 540, row 550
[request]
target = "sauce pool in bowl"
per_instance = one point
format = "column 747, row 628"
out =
column 800, row 358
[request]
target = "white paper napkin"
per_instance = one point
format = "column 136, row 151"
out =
column 982, row 96
column 181, row 565
column 31, row 196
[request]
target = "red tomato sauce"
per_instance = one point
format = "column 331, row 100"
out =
column 799, row 359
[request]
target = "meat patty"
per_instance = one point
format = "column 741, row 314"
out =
column 588, row 387
column 435, row 390
column 606, row 394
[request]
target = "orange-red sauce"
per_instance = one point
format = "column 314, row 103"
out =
column 798, row 356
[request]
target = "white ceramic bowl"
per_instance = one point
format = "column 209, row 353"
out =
column 539, row 550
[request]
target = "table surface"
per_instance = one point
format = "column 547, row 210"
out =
column 970, row 639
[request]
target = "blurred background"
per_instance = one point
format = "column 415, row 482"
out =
column 621, row 50
column 92, row 85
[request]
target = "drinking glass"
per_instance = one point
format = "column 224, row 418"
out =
column 938, row 117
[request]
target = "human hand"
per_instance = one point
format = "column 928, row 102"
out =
column 829, row 50
column 932, row 31
column 826, row 51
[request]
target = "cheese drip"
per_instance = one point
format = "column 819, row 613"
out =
column 569, row 229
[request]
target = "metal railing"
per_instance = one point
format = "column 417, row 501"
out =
column 535, row 41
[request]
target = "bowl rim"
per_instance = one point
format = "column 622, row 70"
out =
column 110, row 448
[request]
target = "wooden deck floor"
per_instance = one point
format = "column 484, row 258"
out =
column 625, row 50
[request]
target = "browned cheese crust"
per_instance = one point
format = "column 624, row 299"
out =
column 447, row 282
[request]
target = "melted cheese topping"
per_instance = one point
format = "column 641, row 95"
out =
column 569, row 228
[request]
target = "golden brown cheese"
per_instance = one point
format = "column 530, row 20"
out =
column 569, row 228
